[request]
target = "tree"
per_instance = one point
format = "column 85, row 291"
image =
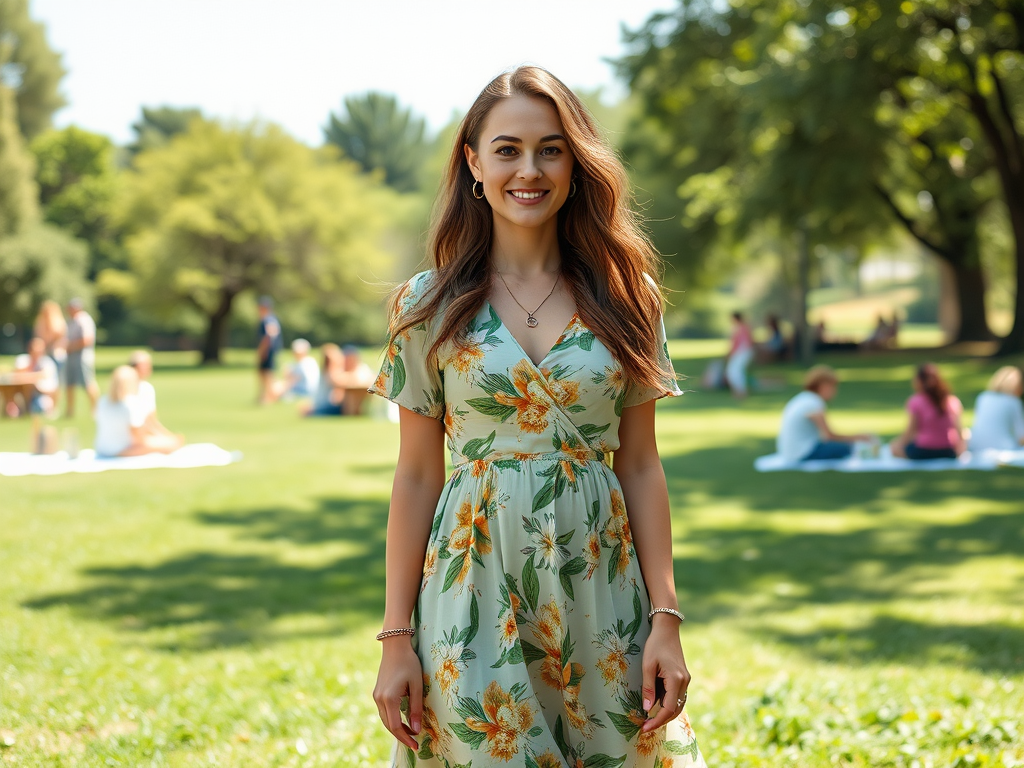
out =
column 379, row 134
column 40, row 262
column 18, row 205
column 77, row 182
column 29, row 67
column 222, row 211
column 159, row 124
column 833, row 118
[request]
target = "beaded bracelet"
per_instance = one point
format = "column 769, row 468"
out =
column 670, row 611
column 393, row 632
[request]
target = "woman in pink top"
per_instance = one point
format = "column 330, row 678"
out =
column 934, row 431
column 740, row 353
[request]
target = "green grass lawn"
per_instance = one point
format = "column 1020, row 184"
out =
column 225, row 616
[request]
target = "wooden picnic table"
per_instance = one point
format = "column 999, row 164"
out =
column 17, row 383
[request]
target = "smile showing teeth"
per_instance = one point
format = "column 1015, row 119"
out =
column 527, row 195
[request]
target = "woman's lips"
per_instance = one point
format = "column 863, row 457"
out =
column 528, row 196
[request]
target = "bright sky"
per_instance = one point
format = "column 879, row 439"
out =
column 292, row 61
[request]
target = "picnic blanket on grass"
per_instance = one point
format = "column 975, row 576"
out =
column 186, row 457
column 886, row 462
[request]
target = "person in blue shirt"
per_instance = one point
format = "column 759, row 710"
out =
column 266, row 351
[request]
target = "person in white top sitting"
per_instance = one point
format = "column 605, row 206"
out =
column 303, row 377
column 999, row 413
column 142, row 362
column 121, row 428
column 805, row 434
column 45, row 383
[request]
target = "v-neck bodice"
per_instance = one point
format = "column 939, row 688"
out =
column 519, row 344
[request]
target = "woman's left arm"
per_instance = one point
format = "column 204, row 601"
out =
column 642, row 477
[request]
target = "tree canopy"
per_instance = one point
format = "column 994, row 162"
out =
column 378, row 133
column 220, row 211
column 159, row 124
column 840, row 118
column 29, row 67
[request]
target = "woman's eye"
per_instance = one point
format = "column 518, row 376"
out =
column 506, row 151
column 551, row 151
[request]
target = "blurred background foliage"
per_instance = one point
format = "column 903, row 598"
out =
column 816, row 159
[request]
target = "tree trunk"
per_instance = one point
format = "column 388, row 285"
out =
column 969, row 282
column 1013, row 344
column 216, row 331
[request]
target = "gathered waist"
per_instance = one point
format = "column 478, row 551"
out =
column 513, row 458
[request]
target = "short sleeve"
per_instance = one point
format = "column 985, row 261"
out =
column 406, row 377
column 667, row 386
column 136, row 411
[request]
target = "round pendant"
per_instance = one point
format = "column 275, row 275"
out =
column 531, row 321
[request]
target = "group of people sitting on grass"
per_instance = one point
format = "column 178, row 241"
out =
column 126, row 417
column 337, row 387
column 935, row 427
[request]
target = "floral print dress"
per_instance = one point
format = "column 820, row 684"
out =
column 532, row 616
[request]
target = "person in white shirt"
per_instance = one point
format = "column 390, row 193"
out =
column 303, row 377
column 805, row 434
column 999, row 413
column 142, row 362
column 44, row 386
column 80, row 370
column 121, row 421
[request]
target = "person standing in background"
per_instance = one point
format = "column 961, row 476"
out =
column 741, row 351
column 268, row 347
column 52, row 328
column 81, row 356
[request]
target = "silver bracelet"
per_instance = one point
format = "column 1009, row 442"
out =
column 670, row 611
column 393, row 632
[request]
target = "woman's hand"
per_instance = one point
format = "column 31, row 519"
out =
column 400, row 675
column 664, row 662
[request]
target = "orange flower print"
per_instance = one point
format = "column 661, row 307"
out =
column 617, row 535
column 592, row 554
column 472, row 536
column 576, row 459
column 450, row 665
column 466, row 353
column 613, row 663
column 429, row 564
column 548, row 760
column 531, row 402
column 508, row 629
column 506, row 721
column 454, row 421
column 564, row 391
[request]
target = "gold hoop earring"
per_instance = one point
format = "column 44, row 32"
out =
column 572, row 189
column 481, row 195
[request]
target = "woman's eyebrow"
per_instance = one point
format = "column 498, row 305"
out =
column 514, row 140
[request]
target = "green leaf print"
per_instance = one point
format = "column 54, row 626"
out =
column 488, row 406
column 467, row 735
column 531, row 584
column 613, row 562
column 513, row 655
column 467, row 634
column 534, row 732
column 623, row 725
column 591, row 431
column 603, row 761
column 454, row 569
column 575, row 566
column 397, row 377
column 515, row 464
column 638, row 611
column 532, row 653
column 678, row 748
column 545, row 495
column 478, row 448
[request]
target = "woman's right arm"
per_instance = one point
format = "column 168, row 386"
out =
column 419, row 479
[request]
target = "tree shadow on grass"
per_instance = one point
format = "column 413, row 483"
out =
column 217, row 599
column 991, row 648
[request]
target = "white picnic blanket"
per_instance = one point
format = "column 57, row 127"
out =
column 886, row 462
column 195, row 455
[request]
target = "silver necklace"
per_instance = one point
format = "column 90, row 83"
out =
column 531, row 321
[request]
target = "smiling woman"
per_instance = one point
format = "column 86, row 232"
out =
column 545, row 625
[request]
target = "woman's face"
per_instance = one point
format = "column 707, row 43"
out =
column 523, row 161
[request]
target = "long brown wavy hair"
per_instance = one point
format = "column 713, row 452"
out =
column 605, row 254
column 934, row 386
